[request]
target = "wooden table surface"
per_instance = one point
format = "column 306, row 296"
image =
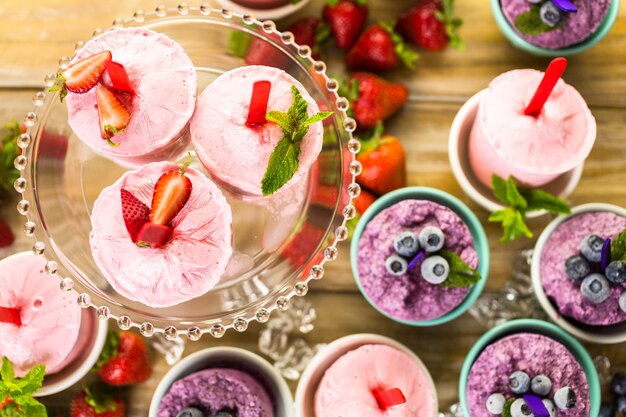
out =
column 35, row 34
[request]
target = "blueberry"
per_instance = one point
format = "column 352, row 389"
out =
column 541, row 385
column 495, row 403
column 591, row 246
column 607, row 410
column 577, row 267
column 550, row 14
column 622, row 302
column 549, row 406
column 519, row 408
column 565, row 398
column 224, row 413
column 431, row 239
column 535, row 1
column 519, row 382
column 618, row 384
column 190, row 412
column 595, row 288
column 616, row 272
column 621, row 404
column 435, row 269
column 396, row 265
column 406, row 244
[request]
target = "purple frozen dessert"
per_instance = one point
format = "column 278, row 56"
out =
column 527, row 372
column 546, row 25
column 399, row 260
column 566, row 289
column 217, row 390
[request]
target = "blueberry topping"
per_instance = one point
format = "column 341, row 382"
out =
column 396, row 265
column 406, row 244
column 519, row 408
column 565, row 398
column 607, row 410
column 549, row 406
column 435, row 269
column 616, row 272
column 550, row 14
column 621, row 404
column 541, row 385
column 190, row 412
column 622, row 302
column 591, row 247
column 595, row 288
column 618, row 384
column 535, row 1
column 519, row 382
column 224, row 413
column 495, row 403
column 577, row 267
column 431, row 239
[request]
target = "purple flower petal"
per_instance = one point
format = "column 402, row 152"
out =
column 605, row 259
column 565, row 5
column 417, row 259
column 536, row 405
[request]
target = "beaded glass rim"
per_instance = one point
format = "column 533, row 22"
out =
column 216, row 328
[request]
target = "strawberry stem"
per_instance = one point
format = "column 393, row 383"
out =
column 10, row 316
column 185, row 165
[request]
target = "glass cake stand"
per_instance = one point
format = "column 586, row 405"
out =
column 281, row 243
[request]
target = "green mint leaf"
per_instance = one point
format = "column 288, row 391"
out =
column 513, row 195
column 618, row 247
column 506, row 412
column 530, row 23
column 281, row 119
column 239, row 43
column 31, row 382
column 499, row 187
column 11, row 410
column 319, row 117
column 541, row 200
column 109, row 351
column 461, row 275
column 512, row 221
column 32, row 408
column 298, row 110
column 282, row 165
column 6, row 372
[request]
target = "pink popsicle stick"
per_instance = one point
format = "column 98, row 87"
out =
column 387, row 398
column 550, row 78
column 10, row 315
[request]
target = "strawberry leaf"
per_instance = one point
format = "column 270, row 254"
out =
column 451, row 23
column 8, row 152
column 109, row 351
column 371, row 139
column 461, row 274
column 239, row 43
column 404, row 52
column 59, row 85
column 96, row 396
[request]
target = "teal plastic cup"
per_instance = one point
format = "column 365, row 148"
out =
column 537, row 327
column 509, row 32
column 440, row 197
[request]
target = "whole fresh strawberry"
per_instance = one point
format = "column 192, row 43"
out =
column 380, row 49
column 96, row 401
column 384, row 163
column 364, row 201
column 346, row 20
column 124, row 360
column 303, row 243
column 372, row 99
column 310, row 31
column 431, row 24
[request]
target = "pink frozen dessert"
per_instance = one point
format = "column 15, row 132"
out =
column 162, row 235
column 33, row 309
column 233, row 139
column 533, row 149
column 145, row 96
column 375, row 381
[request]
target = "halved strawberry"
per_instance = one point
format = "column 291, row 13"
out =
column 171, row 193
column 154, row 235
column 135, row 213
column 114, row 117
column 82, row 75
column 119, row 77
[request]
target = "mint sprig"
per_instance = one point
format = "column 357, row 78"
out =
column 618, row 247
column 16, row 394
column 520, row 201
column 461, row 274
column 284, row 160
column 451, row 23
column 530, row 23
column 506, row 412
column 8, row 152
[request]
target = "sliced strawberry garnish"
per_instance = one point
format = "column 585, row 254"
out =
column 135, row 213
column 171, row 193
column 113, row 115
column 119, row 77
column 154, row 235
column 258, row 104
column 83, row 75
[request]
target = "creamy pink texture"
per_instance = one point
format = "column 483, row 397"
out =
column 188, row 266
column 535, row 150
column 47, row 314
column 346, row 388
column 238, row 155
column 165, row 84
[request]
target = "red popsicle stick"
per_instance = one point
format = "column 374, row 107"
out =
column 550, row 78
column 258, row 103
column 10, row 315
column 119, row 77
column 387, row 398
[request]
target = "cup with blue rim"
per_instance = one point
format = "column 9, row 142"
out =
column 536, row 327
column 516, row 40
column 479, row 237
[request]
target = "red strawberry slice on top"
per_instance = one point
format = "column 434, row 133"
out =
column 83, row 75
column 119, row 77
column 113, row 115
column 135, row 213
